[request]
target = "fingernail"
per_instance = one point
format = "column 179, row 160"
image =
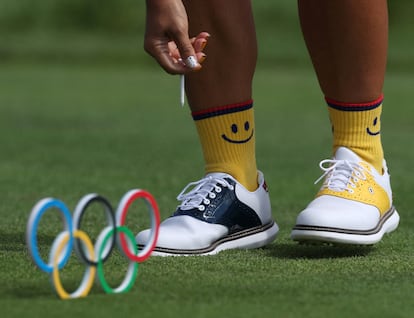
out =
column 202, row 58
column 191, row 62
column 203, row 45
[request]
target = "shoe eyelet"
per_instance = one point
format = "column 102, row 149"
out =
column 218, row 189
column 206, row 201
column 201, row 208
column 212, row 195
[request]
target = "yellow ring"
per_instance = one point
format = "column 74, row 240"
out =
column 89, row 275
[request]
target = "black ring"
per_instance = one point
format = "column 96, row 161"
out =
column 80, row 210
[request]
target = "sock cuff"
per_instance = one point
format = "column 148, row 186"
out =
column 354, row 106
column 222, row 110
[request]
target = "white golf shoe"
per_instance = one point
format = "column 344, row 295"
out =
column 216, row 213
column 353, row 206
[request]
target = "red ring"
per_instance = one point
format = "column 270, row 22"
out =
column 121, row 217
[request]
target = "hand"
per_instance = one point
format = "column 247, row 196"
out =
column 167, row 40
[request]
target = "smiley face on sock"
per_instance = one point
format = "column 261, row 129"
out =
column 239, row 133
column 375, row 129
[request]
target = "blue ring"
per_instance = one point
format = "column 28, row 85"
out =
column 33, row 224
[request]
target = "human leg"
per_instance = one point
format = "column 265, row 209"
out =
column 224, row 87
column 229, row 208
column 347, row 42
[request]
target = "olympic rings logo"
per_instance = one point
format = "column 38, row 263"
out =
column 93, row 256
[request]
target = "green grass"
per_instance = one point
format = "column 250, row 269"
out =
column 68, row 130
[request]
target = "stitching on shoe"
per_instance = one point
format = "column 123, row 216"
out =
column 372, row 231
column 213, row 246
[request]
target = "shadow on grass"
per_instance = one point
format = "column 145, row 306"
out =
column 30, row 291
column 316, row 251
column 16, row 242
column 12, row 242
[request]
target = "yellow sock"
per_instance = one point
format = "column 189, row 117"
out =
column 357, row 126
column 227, row 136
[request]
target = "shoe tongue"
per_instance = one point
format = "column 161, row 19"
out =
column 343, row 153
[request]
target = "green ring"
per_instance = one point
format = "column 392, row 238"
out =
column 132, row 271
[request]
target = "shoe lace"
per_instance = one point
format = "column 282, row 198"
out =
column 341, row 175
column 202, row 191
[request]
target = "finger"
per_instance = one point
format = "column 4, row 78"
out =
column 172, row 66
column 199, row 45
column 201, row 57
column 187, row 51
column 203, row 35
column 169, row 57
column 172, row 46
column 200, row 41
column 174, row 53
column 161, row 53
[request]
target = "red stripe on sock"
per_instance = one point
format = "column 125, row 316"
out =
column 332, row 102
column 215, row 111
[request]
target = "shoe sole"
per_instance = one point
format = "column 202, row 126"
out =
column 311, row 233
column 248, row 239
